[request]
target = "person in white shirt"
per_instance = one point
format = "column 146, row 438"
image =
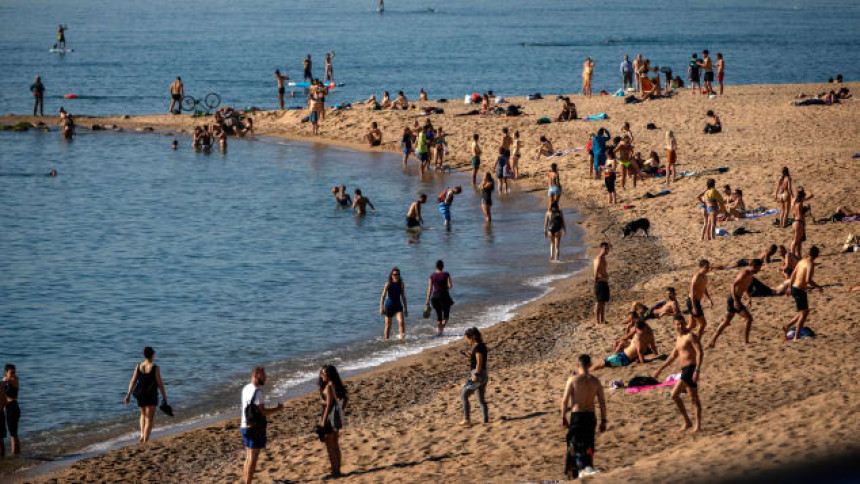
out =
column 254, row 439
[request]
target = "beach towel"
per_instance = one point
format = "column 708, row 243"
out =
column 559, row 153
column 669, row 383
column 805, row 332
column 596, row 117
column 758, row 214
column 688, row 173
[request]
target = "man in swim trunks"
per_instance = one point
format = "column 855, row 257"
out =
column 413, row 215
column 707, row 65
column 329, row 67
column 734, row 306
column 580, row 391
column 61, row 36
column 374, row 136
column 306, row 65
column 280, row 79
column 601, row 283
column 668, row 307
column 639, row 331
column 632, row 353
column 360, row 203
column 721, row 71
column 445, row 199
column 801, row 279
column 699, row 290
column 475, row 150
column 177, row 91
column 689, row 351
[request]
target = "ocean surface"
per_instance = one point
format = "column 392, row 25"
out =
column 128, row 52
column 222, row 261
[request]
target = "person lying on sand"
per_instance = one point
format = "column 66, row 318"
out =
column 667, row 307
column 374, row 136
column 688, row 350
column 740, row 287
column 580, row 391
column 765, row 255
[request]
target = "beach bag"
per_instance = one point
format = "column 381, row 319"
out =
column 426, row 313
column 739, row 231
column 513, row 110
column 641, row 381
column 544, row 120
column 254, row 418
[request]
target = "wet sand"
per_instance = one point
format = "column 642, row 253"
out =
column 764, row 404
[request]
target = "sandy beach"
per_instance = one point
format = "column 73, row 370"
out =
column 765, row 404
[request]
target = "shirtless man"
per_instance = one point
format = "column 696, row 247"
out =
column 765, row 255
column 699, row 290
column 789, row 261
column 668, row 307
column 507, row 141
column 400, row 102
column 413, row 215
column 801, row 278
column 601, row 283
column 280, row 79
column 579, row 394
column 61, row 36
column 689, row 351
column 360, row 203
column 329, row 68
column 707, row 65
column 306, row 65
column 637, row 64
column 740, row 288
column 475, row 150
column 177, row 91
column 721, row 71
column 634, row 352
column 374, row 136
column 341, row 197
column 647, row 344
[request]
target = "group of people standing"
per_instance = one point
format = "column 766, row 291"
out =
column 701, row 74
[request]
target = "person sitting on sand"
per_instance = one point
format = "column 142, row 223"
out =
column 360, row 203
column 580, row 391
column 374, row 136
column 688, row 350
column 341, row 197
column 667, row 307
column 386, row 101
column 401, row 102
column 632, row 353
column 568, row 111
column 737, row 207
column 637, row 325
column 651, row 166
column 713, row 125
column 545, row 148
column 740, row 287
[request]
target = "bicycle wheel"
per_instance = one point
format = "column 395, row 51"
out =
column 212, row 100
column 188, row 103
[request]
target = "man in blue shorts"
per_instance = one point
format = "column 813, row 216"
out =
column 254, row 435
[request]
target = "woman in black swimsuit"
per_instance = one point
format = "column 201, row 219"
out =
column 144, row 385
column 487, row 187
column 335, row 399
column 10, row 412
column 799, row 224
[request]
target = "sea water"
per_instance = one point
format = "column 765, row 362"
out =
column 126, row 53
column 223, row 261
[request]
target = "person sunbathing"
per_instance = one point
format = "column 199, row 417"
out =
column 646, row 336
column 667, row 307
column 633, row 352
column 568, row 111
column 844, row 211
column 401, row 102
column 737, row 207
column 651, row 166
column 766, row 255
column 386, row 101
column 545, row 148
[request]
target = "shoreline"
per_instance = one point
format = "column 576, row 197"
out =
column 548, row 331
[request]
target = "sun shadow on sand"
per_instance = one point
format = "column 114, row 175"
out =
column 526, row 416
column 396, row 465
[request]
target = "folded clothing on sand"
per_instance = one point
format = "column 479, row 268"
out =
column 760, row 212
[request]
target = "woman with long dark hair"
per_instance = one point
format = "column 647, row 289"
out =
column 438, row 295
column 799, row 224
column 335, row 399
column 478, row 376
column 146, row 383
column 393, row 302
column 784, row 194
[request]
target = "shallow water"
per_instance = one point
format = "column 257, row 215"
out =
column 127, row 54
column 220, row 262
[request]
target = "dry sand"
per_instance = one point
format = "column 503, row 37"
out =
column 766, row 406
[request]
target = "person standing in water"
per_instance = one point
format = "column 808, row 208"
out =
column 439, row 286
column 10, row 412
column 446, row 198
column 555, row 229
column 476, row 158
column 177, row 91
column 503, row 170
column 38, row 90
column 393, row 303
column 360, row 203
column 478, row 377
column 145, row 384
column 306, row 66
column 601, row 283
column 580, row 391
column 689, row 351
column 413, row 215
column 487, row 187
column 280, row 80
column 254, row 436
column 329, row 68
column 335, row 400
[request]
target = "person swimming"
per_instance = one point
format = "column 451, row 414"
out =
column 341, row 197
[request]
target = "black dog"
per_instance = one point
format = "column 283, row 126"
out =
column 631, row 228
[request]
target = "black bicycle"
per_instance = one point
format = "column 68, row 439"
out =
column 196, row 106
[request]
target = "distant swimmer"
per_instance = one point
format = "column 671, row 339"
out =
column 446, row 198
column 580, row 391
column 360, row 203
column 281, row 79
column 688, row 350
column 177, row 91
column 61, row 36
column 175, row 145
column 413, row 215
column 329, row 68
column 341, row 197
column 53, row 172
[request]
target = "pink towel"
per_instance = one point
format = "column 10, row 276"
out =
column 669, row 383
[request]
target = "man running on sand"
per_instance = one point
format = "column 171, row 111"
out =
column 579, row 394
column 280, row 79
column 413, row 215
column 177, row 91
column 601, row 283
column 689, row 351
column 740, row 288
column 360, row 203
column 801, row 278
column 699, row 290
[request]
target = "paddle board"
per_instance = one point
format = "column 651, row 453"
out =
column 308, row 84
column 55, row 50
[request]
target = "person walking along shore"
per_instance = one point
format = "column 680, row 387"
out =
column 144, row 385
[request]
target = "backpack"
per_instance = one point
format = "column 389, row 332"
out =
column 254, row 418
column 513, row 110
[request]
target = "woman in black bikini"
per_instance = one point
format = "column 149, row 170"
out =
column 487, row 187
column 145, row 384
column 335, row 399
column 799, row 224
